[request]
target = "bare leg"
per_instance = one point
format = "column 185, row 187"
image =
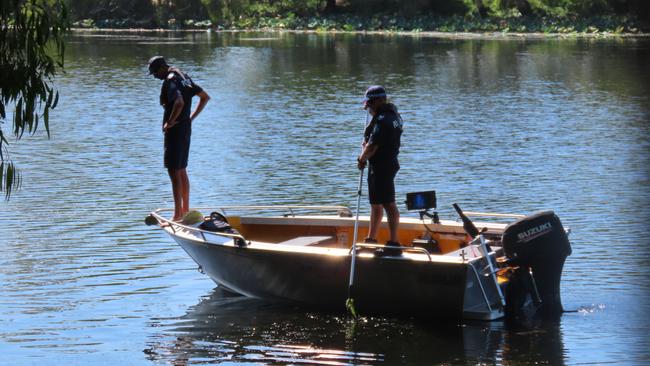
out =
column 393, row 220
column 376, row 214
column 185, row 191
column 175, row 177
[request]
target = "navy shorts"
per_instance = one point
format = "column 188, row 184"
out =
column 381, row 185
column 177, row 146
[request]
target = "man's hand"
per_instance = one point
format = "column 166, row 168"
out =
column 368, row 152
column 361, row 164
column 168, row 125
column 176, row 112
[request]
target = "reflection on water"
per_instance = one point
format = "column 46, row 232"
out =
column 237, row 329
column 495, row 125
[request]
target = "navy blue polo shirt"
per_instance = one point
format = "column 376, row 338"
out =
column 385, row 131
column 178, row 83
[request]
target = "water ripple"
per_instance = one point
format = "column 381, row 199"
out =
column 508, row 126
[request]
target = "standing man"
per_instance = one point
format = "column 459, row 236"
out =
column 176, row 97
column 380, row 149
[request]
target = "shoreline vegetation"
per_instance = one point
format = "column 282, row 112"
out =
column 512, row 17
column 440, row 26
column 427, row 34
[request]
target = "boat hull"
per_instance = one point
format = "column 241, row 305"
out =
column 307, row 258
column 384, row 285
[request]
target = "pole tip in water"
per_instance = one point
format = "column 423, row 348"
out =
column 349, row 304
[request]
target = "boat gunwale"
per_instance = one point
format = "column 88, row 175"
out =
column 452, row 226
column 169, row 226
column 328, row 251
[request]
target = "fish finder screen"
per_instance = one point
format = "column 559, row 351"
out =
column 420, row 201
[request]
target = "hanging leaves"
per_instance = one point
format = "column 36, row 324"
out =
column 31, row 50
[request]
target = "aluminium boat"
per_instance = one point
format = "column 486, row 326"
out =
column 445, row 268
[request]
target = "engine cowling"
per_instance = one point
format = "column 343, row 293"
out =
column 539, row 242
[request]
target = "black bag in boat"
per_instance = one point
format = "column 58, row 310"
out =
column 216, row 223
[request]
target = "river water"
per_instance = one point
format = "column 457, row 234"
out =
column 501, row 125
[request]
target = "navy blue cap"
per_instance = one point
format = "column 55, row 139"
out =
column 155, row 63
column 375, row 91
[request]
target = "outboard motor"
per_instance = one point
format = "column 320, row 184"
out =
column 540, row 243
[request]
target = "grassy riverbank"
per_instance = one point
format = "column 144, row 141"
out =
column 598, row 25
column 506, row 16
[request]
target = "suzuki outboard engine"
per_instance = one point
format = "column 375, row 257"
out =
column 540, row 243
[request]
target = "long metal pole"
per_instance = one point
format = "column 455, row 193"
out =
column 349, row 303
column 356, row 226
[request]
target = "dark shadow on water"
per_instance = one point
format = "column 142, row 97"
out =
column 226, row 328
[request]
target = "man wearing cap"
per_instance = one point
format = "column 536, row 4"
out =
column 176, row 97
column 380, row 149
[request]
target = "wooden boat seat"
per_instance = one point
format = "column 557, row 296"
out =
column 304, row 241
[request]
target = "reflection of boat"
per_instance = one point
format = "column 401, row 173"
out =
column 305, row 258
column 244, row 330
column 240, row 329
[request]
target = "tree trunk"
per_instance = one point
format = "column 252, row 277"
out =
column 524, row 7
column 482, row 10
column 330, row 7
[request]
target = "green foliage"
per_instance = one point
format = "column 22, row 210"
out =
column 588, row 6
column 84, row 23
column 214, row 8
column 409, row 8
column 450, row 23
column 374, row 14
column 114, row 13
column 30, row 31
column 568, row 8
